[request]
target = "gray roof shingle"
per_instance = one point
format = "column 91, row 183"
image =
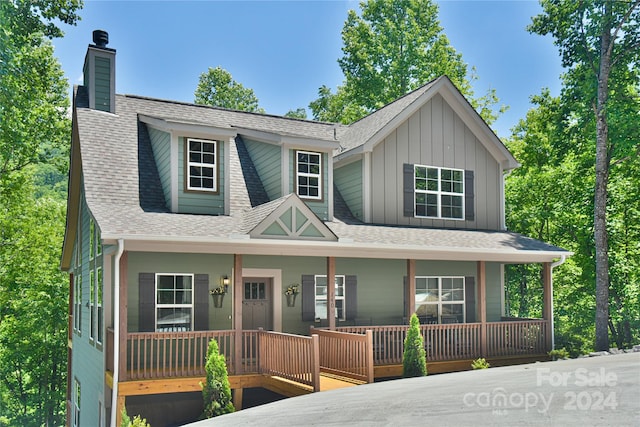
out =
column 123, row 191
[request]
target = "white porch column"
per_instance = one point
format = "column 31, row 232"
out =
column 331, row 292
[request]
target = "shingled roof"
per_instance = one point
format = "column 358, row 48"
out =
column 123, row 191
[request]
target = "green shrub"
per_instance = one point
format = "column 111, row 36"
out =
column 414, row 359
column 480, row 363
column 559, row 353
column 137, row 421
column 216, row 392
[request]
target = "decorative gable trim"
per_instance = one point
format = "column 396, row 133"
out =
column 292, row 219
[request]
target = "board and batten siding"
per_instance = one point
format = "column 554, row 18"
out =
column 161, row 145
column 201, row 202
column 434, row 136
column 267, row 160
column 348, row 179
column 103, row 83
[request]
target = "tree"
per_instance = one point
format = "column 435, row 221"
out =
column 217, row 88
column 216, row 391
column 33, row 95
column 33, row 315
column 299, row 113
column 598, row 39
column 414, row 359
column 391, row 48
column 34, row 134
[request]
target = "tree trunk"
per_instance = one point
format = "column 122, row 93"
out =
column 600, row 201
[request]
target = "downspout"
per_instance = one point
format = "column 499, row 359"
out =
column 558, row 263
column 116, row 332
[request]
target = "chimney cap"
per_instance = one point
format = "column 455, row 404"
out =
column 100, row 38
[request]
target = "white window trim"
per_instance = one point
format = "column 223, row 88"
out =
column 213, row 166
column 191, row 305
column 440, row 302
column 77, row 314
column 75, row 420
column 342, row 297
column 99, row 290
column 439, row 193
column 310, row 175
column 92, row 305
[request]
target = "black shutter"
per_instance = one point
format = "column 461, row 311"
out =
column 405, row 321
column 146, row 302
column 201, row 302
column 351, row 291
column 469, row 213
column 408, row 186
column 470, row 298
column 308, row 297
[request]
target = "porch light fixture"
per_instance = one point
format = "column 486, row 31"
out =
column 224, row 281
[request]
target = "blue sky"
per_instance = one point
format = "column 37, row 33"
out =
column 285, row 50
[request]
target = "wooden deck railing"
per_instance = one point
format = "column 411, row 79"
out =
column 176, row 354
column 152, row 355
column 514, row 338
column 346, row 354
column 293, row 357
column 458, row 340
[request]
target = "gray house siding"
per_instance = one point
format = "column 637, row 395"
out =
column 161, row 145
column 103, row 83
column 380, row 292
column 267, row 161
column 87, row 358
column 215, row 266
column 434, row 136
column 200, row 202
column 348, row 179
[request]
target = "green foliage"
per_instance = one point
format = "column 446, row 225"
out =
column 299, row 113
column 414, row 358
column 216, row 391
column 33, row 306
column 136, row 422
column 599, row 43
column 480, row 363
column 389, row 49
column 559, row 353
column 216, row 87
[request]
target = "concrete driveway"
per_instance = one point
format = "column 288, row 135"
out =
column 603, row 390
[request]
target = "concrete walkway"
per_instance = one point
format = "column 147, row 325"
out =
column 603, row 390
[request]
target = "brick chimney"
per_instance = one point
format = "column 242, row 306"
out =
column 100, row 73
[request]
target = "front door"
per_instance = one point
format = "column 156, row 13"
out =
column 257, row 311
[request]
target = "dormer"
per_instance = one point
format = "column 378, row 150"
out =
column 295, row 164
column 99, row 73
column 193, row 162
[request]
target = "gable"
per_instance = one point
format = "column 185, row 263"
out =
column 291, row 219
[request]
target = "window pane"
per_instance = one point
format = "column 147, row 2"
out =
column 208, row 158
column 208, row 147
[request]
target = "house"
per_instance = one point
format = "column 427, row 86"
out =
column 400, row 212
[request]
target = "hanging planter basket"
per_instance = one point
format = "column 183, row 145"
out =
column 217, row 300
column 291, row 300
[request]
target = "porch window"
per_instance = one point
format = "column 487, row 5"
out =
column 100, row 313
column 174, row 302
column 321, row 297
column 201, row 165
column 92, row 298
column 309, row 175
column 439, row 192
column 440, row 299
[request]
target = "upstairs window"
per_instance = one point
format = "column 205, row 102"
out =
column 439, row 192
column 201, row 165
column 309, row 175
